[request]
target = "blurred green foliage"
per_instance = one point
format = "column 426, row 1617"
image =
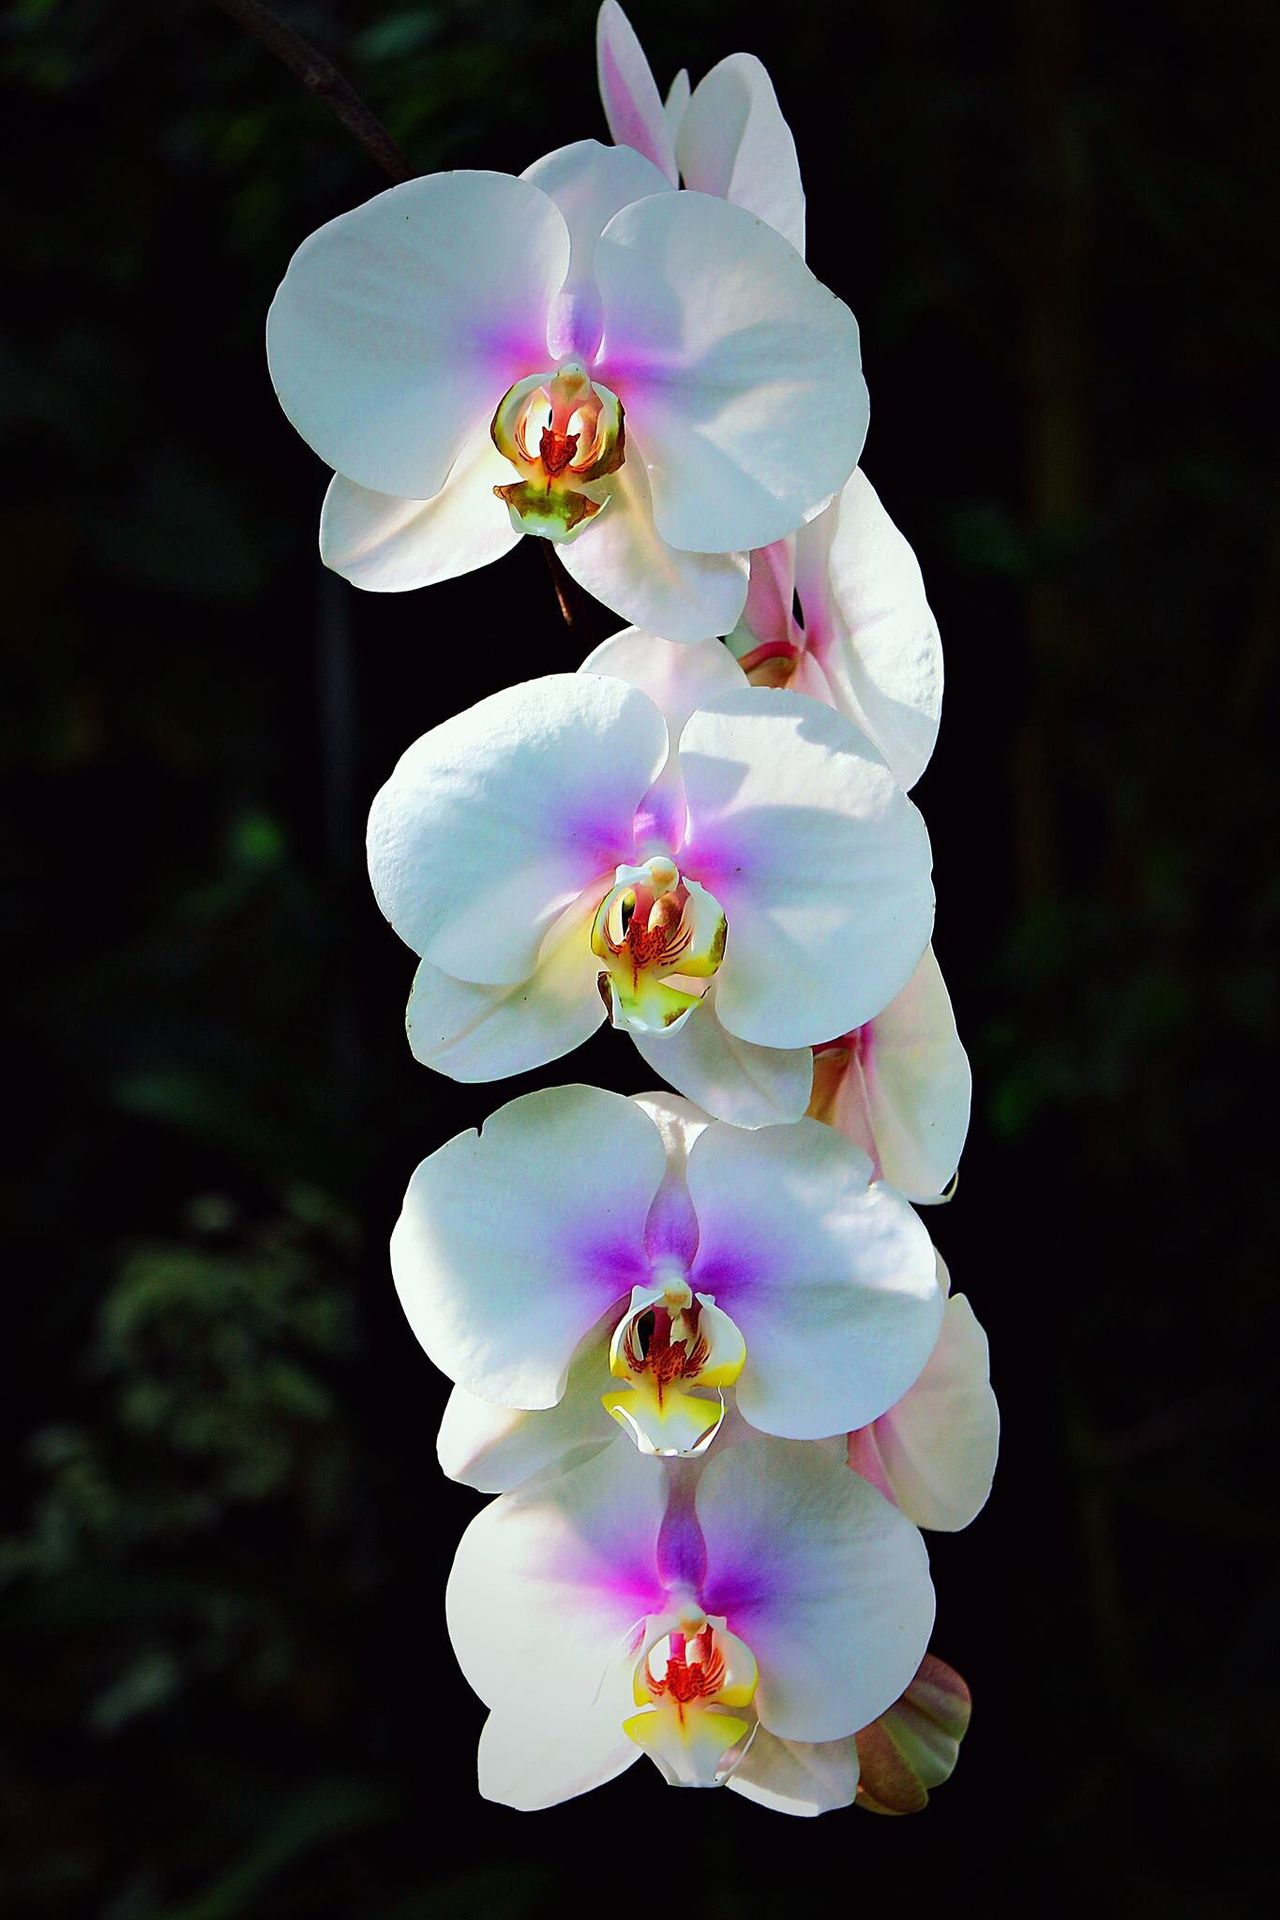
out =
column 227, row 1690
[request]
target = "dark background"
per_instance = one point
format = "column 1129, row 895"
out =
column 227, row 1689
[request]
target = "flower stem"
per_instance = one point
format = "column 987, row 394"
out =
column 319, row 76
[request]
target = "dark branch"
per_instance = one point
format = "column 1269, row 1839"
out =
column 321, row 77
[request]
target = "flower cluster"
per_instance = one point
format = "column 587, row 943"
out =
column 704, row 1353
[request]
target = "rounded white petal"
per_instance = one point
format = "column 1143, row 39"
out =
column 514, row 1241
column 547, row 1590
column 497, row 1448
column 831, row 1593
column 818, row 858
column 589, row 183
column 388, row 545
column 494, row 822
column 731, row 1079
column 678, row 678
column 739, row 371
column 399, row 326
column 918, row 1085
column 623, row 560
column 629, row 92
column 936, row 1449
column 488, row 1033
column 883, row 658
column 734, row 142
column 803, row 1777
column 832, row 1281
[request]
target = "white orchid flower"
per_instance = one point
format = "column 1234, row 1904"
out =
column 670, row 1257
column 733, row 868
column 900, row 1087
column 836, row 610
column 689, row 1613
column 934, row 1453
column 654, row 380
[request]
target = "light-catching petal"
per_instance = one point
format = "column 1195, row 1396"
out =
column 739, row 371
column 513, row 1241
column 832, row 1281
column 734, row 142
column 818, row 858
column 492, row 823
column 832, row 1595
column 398, row 326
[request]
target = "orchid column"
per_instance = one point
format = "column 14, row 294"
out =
column 704, row 1353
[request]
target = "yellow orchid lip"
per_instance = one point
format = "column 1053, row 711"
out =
column 675, row 1350
column 662, row 937
column 695, row 1692
column 562, row 433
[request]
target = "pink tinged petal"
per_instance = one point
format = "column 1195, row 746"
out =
column 400, row 325
column 488, row 1033
column 832, row 1281
column 548, row 1589
column 629, row 92
column 388, row 545
column 494, row 822
column 802, row 1777
column 734, row 142
column 832, row 1594
column 739, row 372
column 589, row 183
column 914, row 1746
column 514, row 1241
column 918, row 1085
column 879, row 647
column 625, row 562
column 747, row 1085
column 767, row 616
column 497, row 1448
column 676, row 102
column 934, row 1453
column 677, row 678
column 819, row 860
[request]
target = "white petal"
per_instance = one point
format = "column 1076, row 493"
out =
column 678, row 678
column 589, row 183
column 388, row 545
column 832, row 1281
column 734, row 142
column 629, row 92
column 738, row 370
column 798, row 1776
column 918, row 1085
column 494, row 822
column 937, row 1448
column 819, row 860
column 831, row 1594
column 883, row 658
column 623, row 560
column 400, row 325
column 514, row 1241
column 487, row 1033
column 497, row 1448
column 547, row 1588
column 676, row 101
column 732, row 1079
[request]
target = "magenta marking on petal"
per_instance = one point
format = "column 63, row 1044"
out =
column 671, row 1231
column 661, row 818
column 682, row 1551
